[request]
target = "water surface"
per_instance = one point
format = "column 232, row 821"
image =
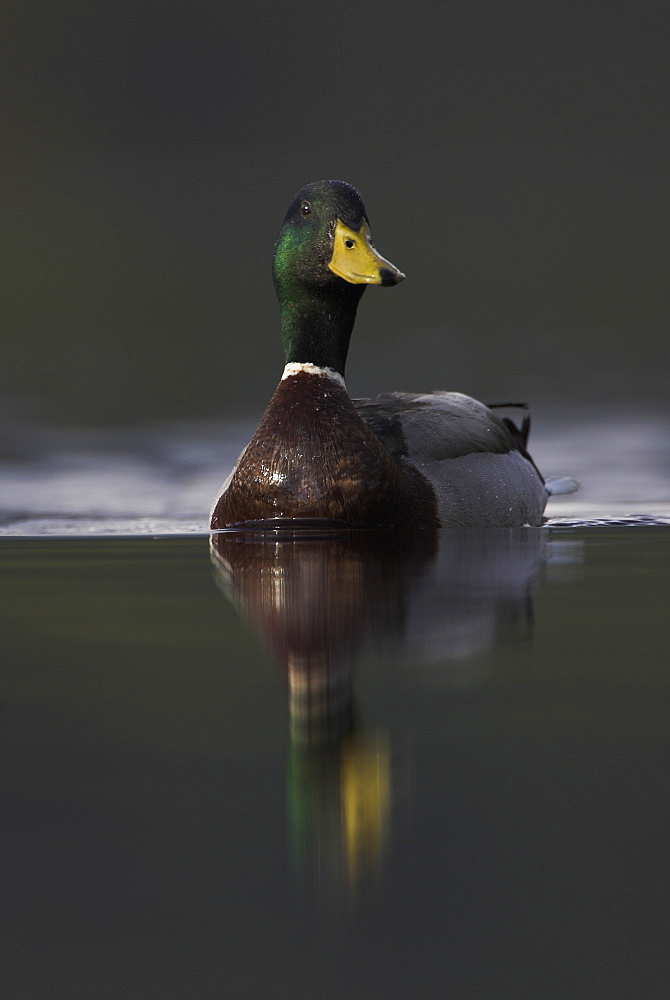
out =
column 437, row 770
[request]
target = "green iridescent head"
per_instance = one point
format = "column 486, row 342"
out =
column 324, row 258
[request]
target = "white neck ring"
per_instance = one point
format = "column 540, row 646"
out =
column 295, row 368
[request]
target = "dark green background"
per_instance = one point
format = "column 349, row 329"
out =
column 513, row 156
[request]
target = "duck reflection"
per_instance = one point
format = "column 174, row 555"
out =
column 318, row 598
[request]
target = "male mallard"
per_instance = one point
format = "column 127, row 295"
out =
column 397, row 460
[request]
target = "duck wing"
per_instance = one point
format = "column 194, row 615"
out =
column 476, row 462
column 438, row 425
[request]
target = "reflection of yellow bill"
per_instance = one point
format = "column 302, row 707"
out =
column 365, row 777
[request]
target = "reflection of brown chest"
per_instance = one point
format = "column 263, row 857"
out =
column 312, row 456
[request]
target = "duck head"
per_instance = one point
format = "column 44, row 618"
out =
column 324, row 259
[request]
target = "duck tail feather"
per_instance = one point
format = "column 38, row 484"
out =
column 519, row 433
column 561, row 486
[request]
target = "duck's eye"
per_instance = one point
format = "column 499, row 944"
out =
column 349, row 244
column 306, row 208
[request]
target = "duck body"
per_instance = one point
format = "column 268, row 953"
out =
column 396, row 460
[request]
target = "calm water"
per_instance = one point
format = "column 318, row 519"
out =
column 346, row 766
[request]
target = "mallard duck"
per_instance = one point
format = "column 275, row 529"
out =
column 397, row 460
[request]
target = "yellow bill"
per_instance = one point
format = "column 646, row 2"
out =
column 356, row 260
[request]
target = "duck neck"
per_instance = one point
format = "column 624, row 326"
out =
column 316, row 328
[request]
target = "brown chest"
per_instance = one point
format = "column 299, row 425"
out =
column 313, row 457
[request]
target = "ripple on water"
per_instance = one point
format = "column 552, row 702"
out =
column 629, row 521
